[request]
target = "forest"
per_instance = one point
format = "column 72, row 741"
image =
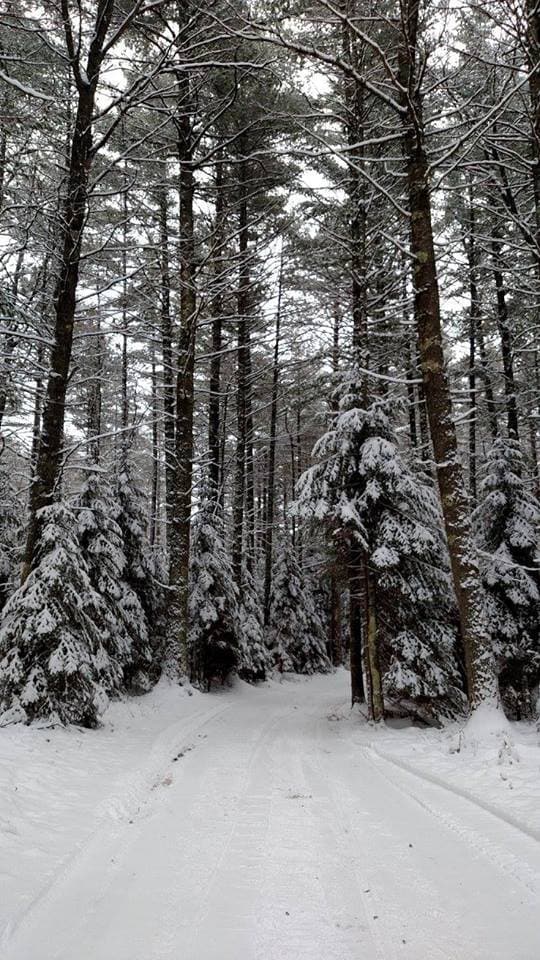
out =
column 269, row 351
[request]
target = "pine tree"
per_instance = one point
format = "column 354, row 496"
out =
column 298, row 642
column 103, row 548
column 213, row 601
column 254, row 657
column 507, row 522
column 364, row 490
column 10, row 529
column 54, row 642
column 140, row 563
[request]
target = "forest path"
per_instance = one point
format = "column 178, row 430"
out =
column 268, row 833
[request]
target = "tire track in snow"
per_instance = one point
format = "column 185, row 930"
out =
column 346, row 928
column 462, row 792
column 504, row 860
column 388, row 923
column 342, row 831
column 237, row 825
column 130, row 796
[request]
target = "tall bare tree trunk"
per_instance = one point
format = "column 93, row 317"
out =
column 49, row 458
column 357, row 606
column 214, row 404
column 249, row 519
column 176, row 659
column 242, row 385
column 376, row 699
column 474, row 314
column 477, row 654
column 94, row 402
column 167, row 354
column 505, row 335
column 154, row 507
column 125, row 440
column 355, row 113
column 484, row 373
column 271, row 466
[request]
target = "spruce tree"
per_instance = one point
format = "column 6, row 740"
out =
column 213, row 601
column 298, row 642
column 362, row 487
column 10, row 530
column 103, row 548
column 140, row 571
column 507, row 523
column 254, row 662
column 55, row 662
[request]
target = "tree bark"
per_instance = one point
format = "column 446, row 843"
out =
column 214, row 403
column 176, row 660
column 505, row 335
column 480, row 673
column 356, row 617
column 486, row 377
column 167, row 354
column 242, row 374
column 154, row 507
column 355, row 113
column 49, row 458
column 376, row 699
column 474, row 313
column 271, row 466
column 94, row 401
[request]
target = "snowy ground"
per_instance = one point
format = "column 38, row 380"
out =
column 265, row 824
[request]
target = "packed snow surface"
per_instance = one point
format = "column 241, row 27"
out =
column 266, row 824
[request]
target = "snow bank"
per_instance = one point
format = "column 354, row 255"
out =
column 490, row 762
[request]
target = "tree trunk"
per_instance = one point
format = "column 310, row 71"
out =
column 356, row 617
column 533, row 54
column 242, row 374
column 169, row 402
column 491, row 404
column 271, row 467
column 94, row 395
column 154, row 506
column 124, row 443
column 180, row 532
column 506, row 341
column 355, row 112
column 49, row 458
column 474, row 313
column 481, row 681
column 376, row 699
column 250, row 458
column 214, row 403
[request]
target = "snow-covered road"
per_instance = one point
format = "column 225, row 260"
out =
column 259, row 827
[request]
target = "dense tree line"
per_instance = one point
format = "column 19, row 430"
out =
column 269, row 383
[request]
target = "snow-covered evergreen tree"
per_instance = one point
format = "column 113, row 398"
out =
column 362, row 487
column 10, row 530
column 298, row 641
column 507, row 522
column 55, row 663
column 140, row 563
column 213, row 601
column 103, row 548
column 254, row 660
